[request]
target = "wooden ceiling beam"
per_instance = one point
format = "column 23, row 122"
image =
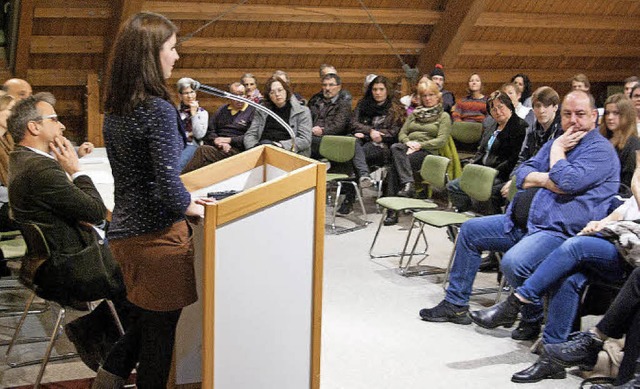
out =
column 23, row 47
column 78, row 77
column 67, row 44
column 72, row 13
column 563, row 21
column 296, row 46
column 539, row 76
column 522, row 49
column 455, row 25
column 200, row 11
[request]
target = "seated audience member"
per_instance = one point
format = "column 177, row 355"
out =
column 376, row 121
column 472, row 108
column 251, row 85
column 330, row 112
column 285, row 77
column 524, row 88
column 266, row 130
column 580, row 82
column 410, row 102
column 17, row 88
column 225, row 135
column 328, row 69
column 425, row 132
column 52, row 192
column 635, row 98
column 546, row 127
column 563, row 275
column 193, row 117
column 629, row 83
column 622, row 319
column 566, row 184
column 448, row 99
column 525, row 113
column 619, row 127
column 498, row 149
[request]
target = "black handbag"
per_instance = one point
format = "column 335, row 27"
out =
column 87, row 275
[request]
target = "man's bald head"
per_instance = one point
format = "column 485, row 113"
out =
column 579, row 111
column 18, row 88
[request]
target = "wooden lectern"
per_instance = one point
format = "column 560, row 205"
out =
column 259, row 263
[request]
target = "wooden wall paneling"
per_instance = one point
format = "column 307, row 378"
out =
column 92, row 114
column 556, row 20
column 497, row 48
column 297, row 46
column 67, row 44
column 299, row 13
column 21, row 63
column 449, row 34
column 67, row 61
column 122, row 10
column 77, row 27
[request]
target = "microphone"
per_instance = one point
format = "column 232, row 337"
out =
column 220, row 93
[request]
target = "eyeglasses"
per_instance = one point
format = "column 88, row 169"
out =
column 331, row 85
column 635, row 96
column 274, row 92
column 188, row 93
column 54, row 118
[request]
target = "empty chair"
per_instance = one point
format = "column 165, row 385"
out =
column 477, row 182
column 434, row 173
column 341, row 149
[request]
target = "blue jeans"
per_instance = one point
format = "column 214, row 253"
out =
column 187, row 153
column 564, row 274
column 522, row 255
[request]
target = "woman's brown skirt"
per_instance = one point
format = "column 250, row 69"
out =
column 158, row 267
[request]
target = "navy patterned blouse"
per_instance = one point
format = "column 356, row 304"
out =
column 144, row 148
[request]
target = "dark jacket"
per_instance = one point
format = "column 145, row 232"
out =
column 223, row 124
column 40, row 192
column 505, row 149
column 536, row 137
column 334, row 118
column 389, row 128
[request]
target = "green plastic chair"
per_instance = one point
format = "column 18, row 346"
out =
column 467, row 133
column 434, row 173
column 477, row 182
column 341, row 149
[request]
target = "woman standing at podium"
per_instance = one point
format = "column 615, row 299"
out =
column 148, row 235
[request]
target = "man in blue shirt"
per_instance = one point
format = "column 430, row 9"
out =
column 568, row 183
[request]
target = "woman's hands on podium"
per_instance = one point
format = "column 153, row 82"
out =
column 195, row 210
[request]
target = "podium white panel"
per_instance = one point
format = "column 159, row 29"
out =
column 263, row 330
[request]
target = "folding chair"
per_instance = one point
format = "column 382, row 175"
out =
column 434, row 173
column 341, row 149
column 466, row 134
column 37, row 253
column 477, row 182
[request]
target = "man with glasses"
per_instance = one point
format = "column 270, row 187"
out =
column 47, row 188
column 330, row 112
column 569, row 182
column 225, row 135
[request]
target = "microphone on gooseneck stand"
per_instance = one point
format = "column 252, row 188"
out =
column 220, row 93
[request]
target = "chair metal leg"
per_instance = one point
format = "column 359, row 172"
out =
column 394, row 254
column 335, row 206
column 20, row 324
column 116, row 318
column 445, row 281
column 54, row 335
column 359, row 196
